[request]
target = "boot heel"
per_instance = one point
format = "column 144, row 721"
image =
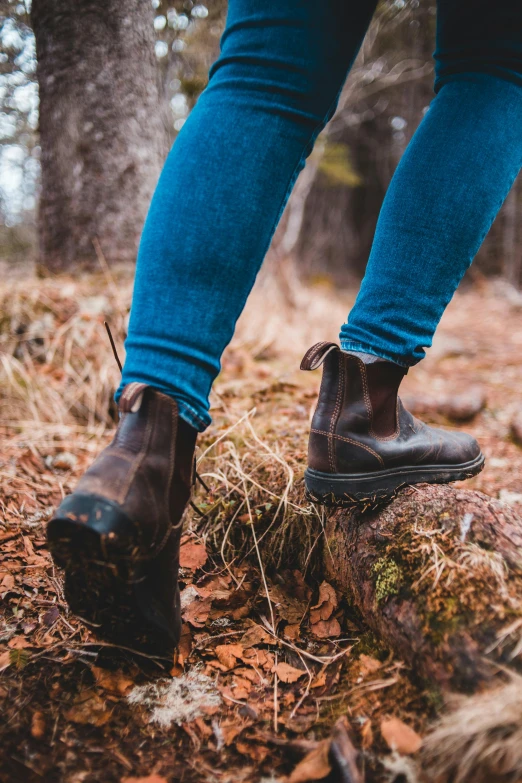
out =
column 106, row 583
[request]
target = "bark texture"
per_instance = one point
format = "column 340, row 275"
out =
column 437, row 575
column 102, row 131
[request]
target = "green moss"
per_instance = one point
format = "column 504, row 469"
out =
column 434, row 697
column 369, row 644
column 389, row 578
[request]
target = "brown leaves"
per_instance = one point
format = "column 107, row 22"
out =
column 255, row 635
column 314, row 766
column 287, row 606
column 334, row 755
column 148, row 779
column 197, row 611
column 228, row 654
column 5, row 660
column 88, row 707
column 325, row 605
column 325, row 629
column 38, row 725
column 400, row 737
column 112, row 682
column 323, row 625
column 288, row 673
column 192, row 555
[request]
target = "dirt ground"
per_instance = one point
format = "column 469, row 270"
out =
column 270, row 657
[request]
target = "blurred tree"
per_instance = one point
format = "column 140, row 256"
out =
column 19, row 151
column 102, row 131
column 382, row 103
column 188, row 43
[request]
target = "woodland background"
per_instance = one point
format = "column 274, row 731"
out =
column 383, row 648
column 331, row 217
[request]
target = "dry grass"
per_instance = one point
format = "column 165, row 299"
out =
column 57, row 378
column 480, row 740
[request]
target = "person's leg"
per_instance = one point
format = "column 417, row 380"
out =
column 443, row 198
column 218, row 201
column 225, row 184
column 449, row 185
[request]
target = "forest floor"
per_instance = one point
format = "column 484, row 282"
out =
column 270, row 658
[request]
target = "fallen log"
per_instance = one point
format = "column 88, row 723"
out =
column 437, row 575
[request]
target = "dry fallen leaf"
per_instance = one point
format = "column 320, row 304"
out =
column 113, row 682
column 255, row 635
column 325, row 605
column 287, row 606
column 38, row 725
column 400, row 737
column 320, row 680
column 192, row 555
column 88, row 707
column 287, row 673
column 184, row 645
column 241, row 687
column 5, row 660
column 8, row 582
column 292, row 631
column 325, row 629
column 314, row 766
column 228, row 654
column 148, row 779
column 51, row 616
column 230, row 731
column 196, row 613
column 19, row 643
column 367, row 735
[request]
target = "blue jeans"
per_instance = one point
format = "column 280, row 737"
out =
column 230, row 172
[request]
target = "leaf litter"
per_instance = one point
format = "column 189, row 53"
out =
column 269, row 656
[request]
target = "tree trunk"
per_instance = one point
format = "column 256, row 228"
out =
column 437, row 575
column 102, row 133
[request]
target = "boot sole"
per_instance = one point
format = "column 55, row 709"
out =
column 371, row 489
column 106, row 584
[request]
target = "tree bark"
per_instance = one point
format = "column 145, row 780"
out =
column 437, row 575
column 102, row 133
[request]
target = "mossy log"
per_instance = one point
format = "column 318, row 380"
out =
column 437, row 575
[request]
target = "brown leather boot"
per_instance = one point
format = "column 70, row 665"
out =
column 117, row 536
column 364, row 445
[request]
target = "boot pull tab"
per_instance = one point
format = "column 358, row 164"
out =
column 132, row 397
column 316, row 355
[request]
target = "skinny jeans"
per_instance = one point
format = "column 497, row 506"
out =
column 232, row 167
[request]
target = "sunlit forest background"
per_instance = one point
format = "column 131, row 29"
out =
column 331, row 217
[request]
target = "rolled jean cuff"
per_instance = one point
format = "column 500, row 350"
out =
column 188, row 414
column 349, row 345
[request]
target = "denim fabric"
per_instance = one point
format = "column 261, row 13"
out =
column 449, row 185
column 233, row 165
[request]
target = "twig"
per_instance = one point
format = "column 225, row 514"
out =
column 113, row 346
column 263, row 575
column 203, row 642
column 276, row 706
column 224, row 434
column 309, row 685
column 108, row 274
column 317, row 658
